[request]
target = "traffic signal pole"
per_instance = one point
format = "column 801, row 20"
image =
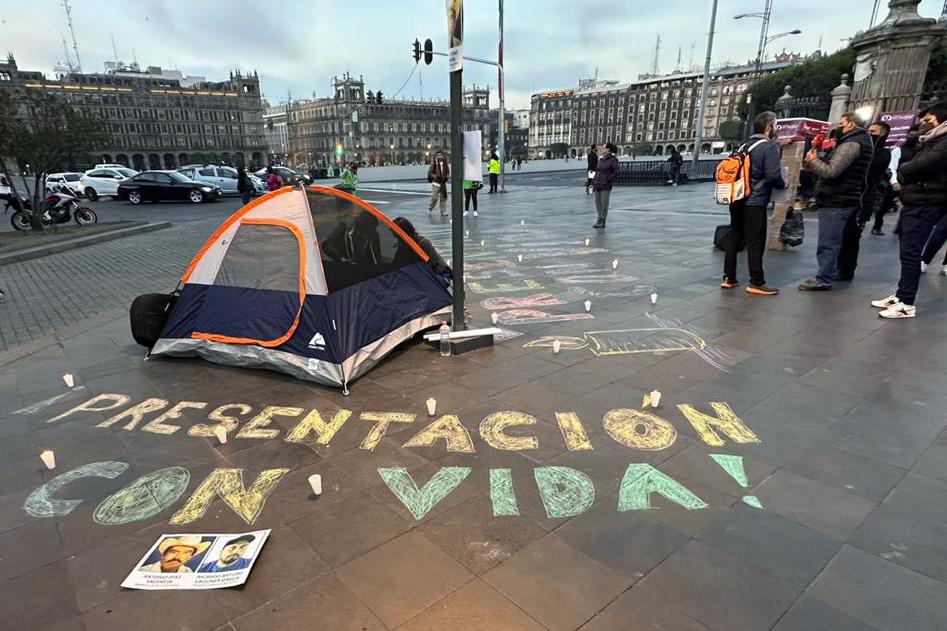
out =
column 457, row 195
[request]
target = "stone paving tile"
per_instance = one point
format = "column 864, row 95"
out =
column 809, row 613
column 881, row 593
column 637, row 610
column 473, row 607
column 535, row 580
column 40, row 599
column 377, row 577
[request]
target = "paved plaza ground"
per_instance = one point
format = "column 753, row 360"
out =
column 792, row 478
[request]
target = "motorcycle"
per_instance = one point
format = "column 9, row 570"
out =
column 61, row 207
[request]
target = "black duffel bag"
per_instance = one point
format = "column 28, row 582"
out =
column 148, row 315
column 721, row 234
column 794, row 228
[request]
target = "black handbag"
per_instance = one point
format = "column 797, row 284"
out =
column 722, row 234
column 148, row 315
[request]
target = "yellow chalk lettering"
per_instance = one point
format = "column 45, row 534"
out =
column 116, row 400
column 224, row 420
column 572, row 431
column 639, row 429
column 450, row 429
column 726, row 421
column 135, row 413
column 158, row 426
column 253, row 428
column 314, row 423
column 382, row 420
column 228, row 485
column 493, row 426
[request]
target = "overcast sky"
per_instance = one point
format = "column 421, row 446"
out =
column 298, row 45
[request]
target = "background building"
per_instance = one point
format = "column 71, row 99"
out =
column 649, row 115
column 276, row 131
column 157, row 118
column 355, row 124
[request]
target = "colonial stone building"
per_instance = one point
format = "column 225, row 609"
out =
column 157, row 118
column 276, row 131
column 651, row 114
column 355, row 124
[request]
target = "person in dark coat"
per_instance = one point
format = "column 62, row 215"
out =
column 839, row 194
column 438, row 174
column 592, row 158
column 923, row 180
column 675, row 160
column 244, row 185
column 606, row 172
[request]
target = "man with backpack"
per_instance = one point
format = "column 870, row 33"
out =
column 748, row 213
column 839, row 191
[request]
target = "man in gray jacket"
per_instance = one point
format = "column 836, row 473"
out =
column 748, row 216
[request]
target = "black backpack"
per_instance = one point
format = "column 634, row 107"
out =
column 148, row 315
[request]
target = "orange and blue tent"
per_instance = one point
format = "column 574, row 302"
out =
column 312, row 282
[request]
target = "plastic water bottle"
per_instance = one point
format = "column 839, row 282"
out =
column 445, row 340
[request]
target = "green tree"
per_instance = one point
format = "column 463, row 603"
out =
column 816, row 76
column 558, row 149
column 732, row 130
column 935, row 83
column 642, row 148
column 49, row 134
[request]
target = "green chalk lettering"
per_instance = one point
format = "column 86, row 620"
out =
column 641, row 480
column 733, row 465
column 145, row 497
column 501, row 493
column 420, row 501
column 40, row 502
column 565, row 492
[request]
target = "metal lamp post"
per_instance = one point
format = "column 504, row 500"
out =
column 698, row 139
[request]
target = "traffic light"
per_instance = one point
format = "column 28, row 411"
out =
column 417, row 51
column 428, row 52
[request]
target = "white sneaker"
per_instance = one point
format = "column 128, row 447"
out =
column 476, row 214
column 899, row 311
column 465, row 213
column 886, row 303
column 923, row 267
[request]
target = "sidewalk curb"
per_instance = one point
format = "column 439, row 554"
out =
column 63, row 246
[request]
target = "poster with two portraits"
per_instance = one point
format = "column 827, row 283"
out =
column 204, row 561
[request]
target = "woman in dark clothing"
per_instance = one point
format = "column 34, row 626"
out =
column 244, row 185
column 405, row 253
column 592, row 158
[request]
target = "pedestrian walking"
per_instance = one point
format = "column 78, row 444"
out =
column 592, row 162
column 493, row 168
column 839, row 192
column 871, row 203
column 470, row 193
column 244, row 185
column 748, row 216
column 273, row 180
column 606, row 172
column 349, row 176
column 675, row 160
column 923, row 180
column 438, row 174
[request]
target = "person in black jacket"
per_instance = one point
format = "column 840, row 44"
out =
column 838, row 194
column 923, row 180
column 605, row 173
column 871, row 202
column 244, row 185
column 592, row 157
column 675, row 160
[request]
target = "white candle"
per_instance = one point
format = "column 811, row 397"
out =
column 556, row 346
column 614, row 263
column 69, row 379
column 519, row 258
column 654, row 298
column 587, row 241
column 466, row 233
column 588, row 305
column 482, row 243
column 494, row 317
column 221, row 434
column 49, row 459
column 315, row 483
column 655, row 398
column 522, row 222
column 431, row 406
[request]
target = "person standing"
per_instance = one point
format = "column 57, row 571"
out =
column 438, row 174
column 493, row 168
column 592, row 159
column 470, row 193
column 675, row 160
column 839, row 194
column 748, row 216
column 273, row 180
column 871, row 203
column 244, row 185
column 606, row 172
column 923, row 180
column 349, row 182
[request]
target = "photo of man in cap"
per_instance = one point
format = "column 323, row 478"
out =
column 231, row 557
column 176, row 552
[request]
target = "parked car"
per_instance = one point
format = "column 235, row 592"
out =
column 156, row 186
column 223, row 176
column 104, row 181
column 289, row 176
column 110, row 165
column 72, row 181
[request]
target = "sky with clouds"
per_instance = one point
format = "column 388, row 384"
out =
column 297, row 46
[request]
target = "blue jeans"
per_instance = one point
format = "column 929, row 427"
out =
column 831, row 228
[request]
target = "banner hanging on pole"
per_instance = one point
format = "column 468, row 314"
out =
column 455, row 34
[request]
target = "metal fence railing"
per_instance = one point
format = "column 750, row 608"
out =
column 659, row 172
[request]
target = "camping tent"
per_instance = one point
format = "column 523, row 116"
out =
column 313, row 282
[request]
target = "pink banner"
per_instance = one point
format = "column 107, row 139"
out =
column 900, row 122
column 797, row 129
